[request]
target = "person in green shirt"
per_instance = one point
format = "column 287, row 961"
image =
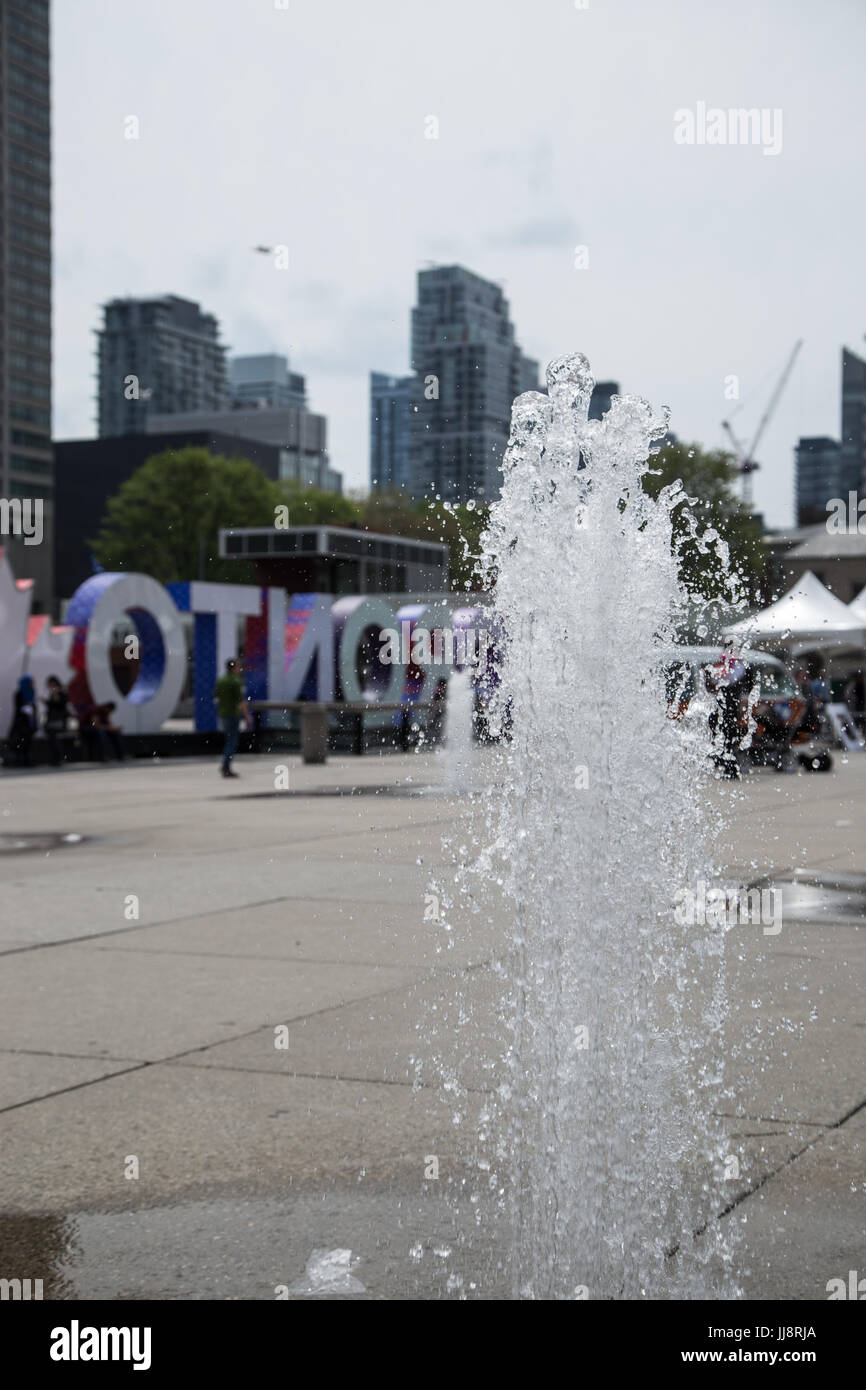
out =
column 228, row 694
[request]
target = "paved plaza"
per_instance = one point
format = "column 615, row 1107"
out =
column 149, row 966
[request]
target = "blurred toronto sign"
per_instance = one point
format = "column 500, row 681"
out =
column 302, row 646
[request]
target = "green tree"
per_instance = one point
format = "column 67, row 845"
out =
column 165, row 519
column 710, row 477
column 462, row 528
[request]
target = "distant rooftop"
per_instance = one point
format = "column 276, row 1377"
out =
column 333, row 541
column 830, row 545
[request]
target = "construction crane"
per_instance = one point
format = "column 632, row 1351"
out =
column 745, row 455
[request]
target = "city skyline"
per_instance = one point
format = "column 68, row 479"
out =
column 710, row 280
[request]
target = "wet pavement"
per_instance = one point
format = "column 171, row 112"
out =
column 41, row 843
column 808, row 896
column 151, row 963
column 243, row 1248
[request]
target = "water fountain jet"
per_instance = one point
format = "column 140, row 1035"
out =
column 602, row 1136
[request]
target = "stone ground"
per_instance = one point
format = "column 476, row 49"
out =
column 147, row 965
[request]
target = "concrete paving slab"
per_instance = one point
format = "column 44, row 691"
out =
column 762, row 1150
column 198, row 1131
column 322, row 930
column 128, row 1005
column 430, row 1032
column 808, row 1225
column 89, row 897
column 25, row 1076
column 796, row 1029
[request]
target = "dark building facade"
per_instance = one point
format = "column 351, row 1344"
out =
column 338, row 560
column 853, row 422
column 157, row 356
column 90, row 471
column 467, row 370
column 26, row 458
column 389, row 432
column 821, row 475
column 602, row 394
column 298, row 435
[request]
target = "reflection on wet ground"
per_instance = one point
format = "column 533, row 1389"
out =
column 39, row 1247
column 809, row 896
column 46, row 840
column 405, row 1247
column 397, row 790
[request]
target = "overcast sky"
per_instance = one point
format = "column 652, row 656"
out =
column 305, row 126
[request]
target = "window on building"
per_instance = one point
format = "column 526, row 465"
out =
column 29, row 237
column 25, row 54
column 29, row 441
column 18, row 310
column 30, row 414
column 24, row 338
column 34, row 390
column 30, row 134
column 25, row 260
column 30, row 186
column 35, row 289
column 20, row 487
column 31, row 212
column 30, row 27
column 28, row 465
column 27, row 107
column 27, row 81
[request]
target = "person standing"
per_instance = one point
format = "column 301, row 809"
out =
column 107, row 732
column 23, row 725
column 730, row 682
column 56, row 704
column 231, row 707
column 855, row 699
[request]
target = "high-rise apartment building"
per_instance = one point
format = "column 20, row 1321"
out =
column 265, row 381
column 389, row 432
column 158, row 356
column 467, row 371
column 26, row 458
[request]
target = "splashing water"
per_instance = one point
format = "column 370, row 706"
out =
column 602, row 1136
column 458, row 732
column 330, row 1271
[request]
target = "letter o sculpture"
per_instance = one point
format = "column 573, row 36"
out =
column 93, row 611
column 353, row 617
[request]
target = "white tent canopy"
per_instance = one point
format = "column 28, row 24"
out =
column 857, row 606
column 807, row 616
